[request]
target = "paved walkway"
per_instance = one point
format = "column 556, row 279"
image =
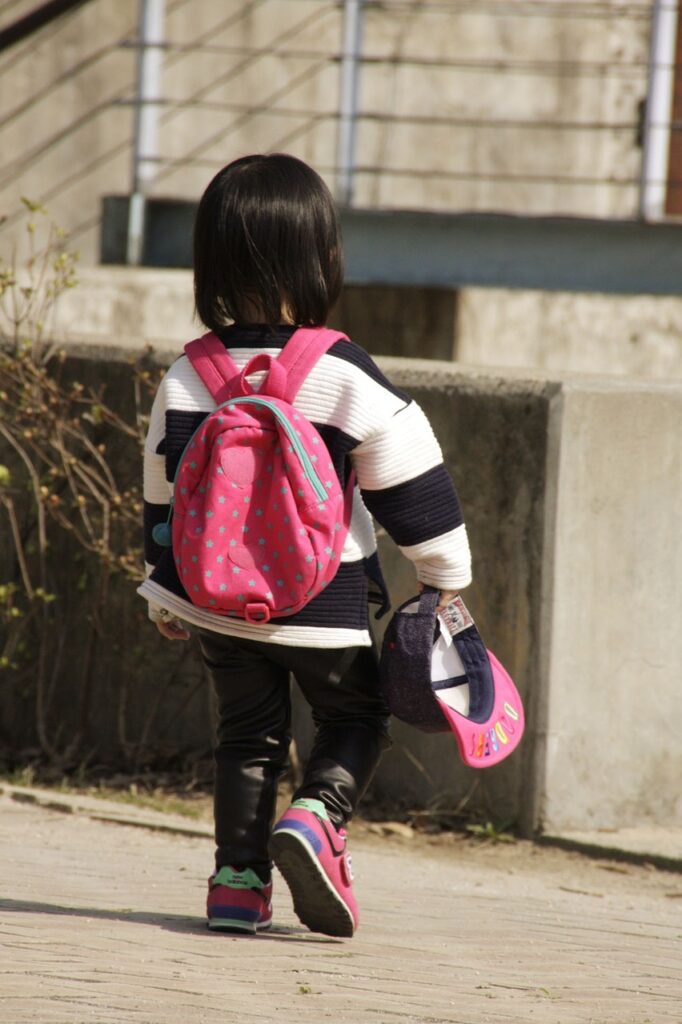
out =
column 102, row 922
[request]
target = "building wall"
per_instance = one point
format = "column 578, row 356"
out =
column 524, row 109
column 65, row 138
column 524, row 96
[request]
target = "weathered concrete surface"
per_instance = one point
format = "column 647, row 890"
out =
column 550, row 332
column 588, row 484
column 430, row 134
column 104, row 923
column 120, row 306
column 613, row 583
column 634, row 335
column 494, row 434
column 656, row 844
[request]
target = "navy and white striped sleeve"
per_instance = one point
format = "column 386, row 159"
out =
column 156, row 490
column 408, row 490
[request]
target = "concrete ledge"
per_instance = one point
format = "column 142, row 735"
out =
column 655, row 845
column 129, row 308
column 106, row 810
column 627, row 335
column 659, row 846
column 493, row 328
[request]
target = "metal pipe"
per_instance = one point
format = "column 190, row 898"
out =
column 658, row 114
column 147, row 110
column 348, row 103
column 40, row 16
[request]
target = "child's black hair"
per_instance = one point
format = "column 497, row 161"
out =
column 266, row 235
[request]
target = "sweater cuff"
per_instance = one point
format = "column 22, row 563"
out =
column 156, row 614
column 443, row 577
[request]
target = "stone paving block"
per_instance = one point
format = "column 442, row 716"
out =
column 103, row 922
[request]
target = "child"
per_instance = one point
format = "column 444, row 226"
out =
column 267, row 258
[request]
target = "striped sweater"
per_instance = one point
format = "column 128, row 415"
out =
column 368, row 425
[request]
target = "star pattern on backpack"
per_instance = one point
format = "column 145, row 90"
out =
column 288, row 543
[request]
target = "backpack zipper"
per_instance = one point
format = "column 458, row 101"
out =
column 310, row 472
column 162, row 530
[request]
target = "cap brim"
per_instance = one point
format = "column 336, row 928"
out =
column 487, row 742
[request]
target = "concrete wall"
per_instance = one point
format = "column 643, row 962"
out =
column 571, row 488
column 493, row 433
column 633, row 335
column 116, row 305
column 461, row 107
column 612, row 621
column 637, row 336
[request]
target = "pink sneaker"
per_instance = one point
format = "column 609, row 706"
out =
column 238, row 901
column 311, row 856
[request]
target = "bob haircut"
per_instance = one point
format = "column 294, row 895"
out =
column 267, row 245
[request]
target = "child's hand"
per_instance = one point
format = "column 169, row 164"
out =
column 172, row 629
column 444, row 597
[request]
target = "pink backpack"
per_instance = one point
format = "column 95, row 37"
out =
column 259, row 518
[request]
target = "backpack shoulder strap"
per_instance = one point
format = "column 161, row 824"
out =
column 214, row 365
column 302, row 351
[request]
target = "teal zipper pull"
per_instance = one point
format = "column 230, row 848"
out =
column 162, row 533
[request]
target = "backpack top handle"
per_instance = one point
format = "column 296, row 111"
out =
column 223, row 379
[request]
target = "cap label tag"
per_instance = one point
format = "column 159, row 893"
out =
column 456, row 616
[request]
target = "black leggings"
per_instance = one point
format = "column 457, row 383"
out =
column 251, row 681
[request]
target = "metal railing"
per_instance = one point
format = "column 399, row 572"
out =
column 364, row 119
column 41, row 15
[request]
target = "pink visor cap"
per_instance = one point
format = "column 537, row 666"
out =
column 437, row 676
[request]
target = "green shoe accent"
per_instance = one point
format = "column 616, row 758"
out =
column 314, row 806
column 246, row 879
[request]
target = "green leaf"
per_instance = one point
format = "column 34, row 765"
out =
column 32, row 206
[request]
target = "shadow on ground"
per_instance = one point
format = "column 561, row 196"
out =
column 169, row 922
